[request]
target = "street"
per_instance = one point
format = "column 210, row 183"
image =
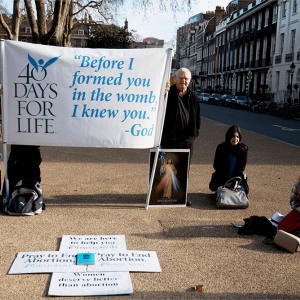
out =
column 287, row 131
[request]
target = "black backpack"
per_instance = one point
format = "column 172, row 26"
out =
column 26, row 199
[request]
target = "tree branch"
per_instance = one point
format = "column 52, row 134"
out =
column 16, row 20
column 32, row 21
column 41, row 15
column 69, row 25
column 5, row 26
column 92, row 4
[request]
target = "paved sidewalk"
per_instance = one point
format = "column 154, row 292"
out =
column 90, row 191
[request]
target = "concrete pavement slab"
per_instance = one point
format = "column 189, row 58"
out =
column 96, row 191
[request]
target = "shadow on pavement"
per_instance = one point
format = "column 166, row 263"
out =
column 106, row 200
column 199, row 200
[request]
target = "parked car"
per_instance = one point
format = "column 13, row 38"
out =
column 226, row 99
column 249, row 104
column 198, row 92
column 214, row 99
column 204, row 97
column 239, row 101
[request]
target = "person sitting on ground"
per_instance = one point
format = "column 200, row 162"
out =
column 230, row 160
column 295, row 196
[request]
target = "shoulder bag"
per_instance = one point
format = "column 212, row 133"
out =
column 231, row 195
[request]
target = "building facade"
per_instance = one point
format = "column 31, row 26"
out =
column 249, row 49
column 286, row 53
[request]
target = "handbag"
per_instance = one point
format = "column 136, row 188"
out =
column 231, row 195
column 287, row 241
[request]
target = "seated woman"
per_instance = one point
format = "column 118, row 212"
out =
column 230, row 160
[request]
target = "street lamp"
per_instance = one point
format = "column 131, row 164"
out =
column 292, row 69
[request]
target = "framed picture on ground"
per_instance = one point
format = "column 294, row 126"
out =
column 170, row 182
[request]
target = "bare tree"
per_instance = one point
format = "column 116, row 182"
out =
column 55, row 18
column 51, row 21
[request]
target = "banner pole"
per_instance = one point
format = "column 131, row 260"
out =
column 166, row 79
column 152, row 176
column 5, row 196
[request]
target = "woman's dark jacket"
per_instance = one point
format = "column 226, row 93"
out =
column 221, row 164
column 172, row 130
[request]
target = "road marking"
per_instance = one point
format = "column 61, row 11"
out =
column 255, row 133
column 286, row 128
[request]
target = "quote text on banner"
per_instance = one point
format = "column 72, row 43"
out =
column 58, row 96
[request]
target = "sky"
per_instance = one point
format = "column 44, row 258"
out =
column 163, row 25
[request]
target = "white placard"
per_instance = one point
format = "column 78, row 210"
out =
column 92, row 243
column 90, row 284
column 61, row 96
column 120, row 261
column 45, row 262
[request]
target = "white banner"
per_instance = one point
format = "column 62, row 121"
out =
column 57, row 96
column 45, row 262
column 92, row 243
column 90, row 284
column 133, row 261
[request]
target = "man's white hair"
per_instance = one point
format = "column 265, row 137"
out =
column 185, row 70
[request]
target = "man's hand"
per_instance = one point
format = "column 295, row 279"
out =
column 168, row 85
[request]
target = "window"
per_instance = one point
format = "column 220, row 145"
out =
column 272, row 48
column 255, row 83
column 293, row 35
column 264, row 55
column 81, row 32
column 228, row 34
column 222, row 64
column 239, row 83
column 251, row 51
column 253, row 22
column 266, row 17
column 295, row 7
column 232, row 33
column 247, row 25
column 246, row 53
column 275, row 13
column 242, row 27
column 283, row 9
column 235, row 57
column 231, row 57
column 262, row 78
column 259, row 21
column 224, row 38
column 257, row 50
column 281, row 43
column 237, row 31
column 241, row 55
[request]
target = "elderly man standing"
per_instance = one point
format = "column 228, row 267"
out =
column 182, row 119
